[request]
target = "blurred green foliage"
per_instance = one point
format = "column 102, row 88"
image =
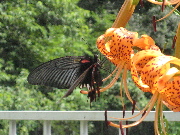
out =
column 32, row 32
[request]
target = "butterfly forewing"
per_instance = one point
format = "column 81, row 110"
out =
column 60, row 73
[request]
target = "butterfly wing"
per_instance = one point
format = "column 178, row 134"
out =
column 77, row 82
column 60, row 73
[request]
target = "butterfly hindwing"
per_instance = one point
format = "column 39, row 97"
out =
column 77, row 82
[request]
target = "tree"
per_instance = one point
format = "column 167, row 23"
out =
column 33, row 32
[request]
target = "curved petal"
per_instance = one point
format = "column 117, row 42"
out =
column 103, row 49
column 139, row 61
column 171, row 107
column 145, row 43
column 169, row 86
column 154, row 69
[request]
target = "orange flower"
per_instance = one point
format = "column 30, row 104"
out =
column 116, row 44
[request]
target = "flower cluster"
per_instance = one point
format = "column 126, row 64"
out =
column 151, row 70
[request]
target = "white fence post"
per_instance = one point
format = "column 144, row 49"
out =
column 47, row 127
column 83, row 127
column 12, row 127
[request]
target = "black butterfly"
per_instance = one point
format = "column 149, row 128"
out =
column 68, row 73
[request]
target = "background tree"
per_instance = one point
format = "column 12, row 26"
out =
column 32, row 32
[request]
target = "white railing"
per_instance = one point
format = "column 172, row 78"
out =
column 82, row 116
